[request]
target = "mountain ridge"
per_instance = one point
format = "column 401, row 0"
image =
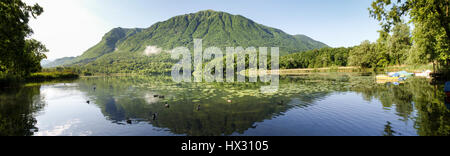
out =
column 216, row 28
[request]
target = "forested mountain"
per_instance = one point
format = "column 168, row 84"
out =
column 144, row 50
column 108, row 44
column 57, row 62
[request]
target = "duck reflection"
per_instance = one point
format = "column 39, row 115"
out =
column 226, row 109
column 170, row 106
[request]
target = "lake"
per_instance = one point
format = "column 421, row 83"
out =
column 333, row 104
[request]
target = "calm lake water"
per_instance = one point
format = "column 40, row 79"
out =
column 310, row 105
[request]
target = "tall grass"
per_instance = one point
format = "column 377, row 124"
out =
column 410, row 68
column 55, row 75
column 8, row 80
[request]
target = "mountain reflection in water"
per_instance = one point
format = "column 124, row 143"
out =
column 317, row 104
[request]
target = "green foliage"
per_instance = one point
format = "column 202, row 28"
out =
column 218, row 29
column 129, row 63
column 390, row 49
column 19, row 56
column 108, row 44
column 34, row 53
column 398, row 44
column 431, row 20
column 122, row 50
column 56, row 75
column 364, row 55
column 325, row 57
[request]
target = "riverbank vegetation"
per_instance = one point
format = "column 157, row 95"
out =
column 419, row 43
column 20, row 55
column 44, row 76
column 398, row 47
column 392, row 51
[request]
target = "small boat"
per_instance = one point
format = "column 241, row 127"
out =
column 391, row 74
column 387, row 78
column 395, row 76
column 394, row 82
column 447, row 89
column 426, row 73
column 401, row 74
column 447, row 92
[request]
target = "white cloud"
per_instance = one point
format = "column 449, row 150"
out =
column 150, row 50
column 61, row 129
column 66, row 27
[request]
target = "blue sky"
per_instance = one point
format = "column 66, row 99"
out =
column 83, row 22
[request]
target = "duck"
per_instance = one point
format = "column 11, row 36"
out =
column 88, row 102
column 229, row 101
column 167, row 105
column 154, row 116
column 155, row 95
column 129, row 121
column 161, row 96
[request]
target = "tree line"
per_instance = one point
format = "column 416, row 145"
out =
column 398, row 44
column 390, row 49
column 427, row 43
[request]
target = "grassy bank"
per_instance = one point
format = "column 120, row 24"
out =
column 109, row 74
column 11, row 80
column 318, row 70
column 408, row 68
column 47, row 76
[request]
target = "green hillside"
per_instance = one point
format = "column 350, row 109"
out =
column 57, row 62
column 108, row 44
column 122, row 50
column 312, row 44
column 216, row 29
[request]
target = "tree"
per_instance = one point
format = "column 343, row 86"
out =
column 431, row 21
column 34, row 53
column 317, row 58
column 19, row 56
column 382, row 49
column 399, row 43
column 364, row 55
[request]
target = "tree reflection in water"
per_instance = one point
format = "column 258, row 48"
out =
column 18, row 107
column 132, row 100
